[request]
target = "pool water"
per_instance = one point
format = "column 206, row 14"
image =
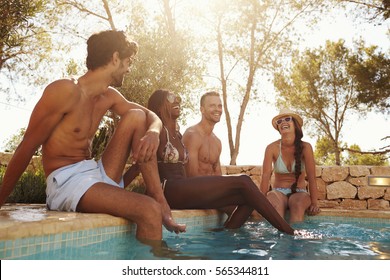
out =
column 322, row 239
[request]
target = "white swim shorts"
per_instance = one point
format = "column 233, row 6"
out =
column 66, row 185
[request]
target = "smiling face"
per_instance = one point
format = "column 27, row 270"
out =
column 285, row 124
column 212, row 109
column 173, row 102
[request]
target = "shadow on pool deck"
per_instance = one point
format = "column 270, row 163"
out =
column 26, row 220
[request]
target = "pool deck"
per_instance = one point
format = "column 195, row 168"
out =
column 27, row 220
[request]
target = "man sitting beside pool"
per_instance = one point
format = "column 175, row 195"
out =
column 64, row 122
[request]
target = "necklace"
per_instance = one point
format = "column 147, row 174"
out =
column 173, row 135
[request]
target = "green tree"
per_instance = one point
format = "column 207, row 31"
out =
column 372, row 9
column 248, row 38
column 13, row 142
column 166, row 59
column 324, row 152
column 370, row 69
column 24, row 43
column 356, row 158
column 18, row 30
column 321, row 88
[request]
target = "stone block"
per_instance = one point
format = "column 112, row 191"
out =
column 233, row 169
column 387, row 194
column 370, row 192
column 318, row 171
column 333, row 174
column 359, row 170
column 341, row 190
column 5, row 158
column 358, row 181
column 380, row 170
column 378, row 204
column 256, row 170
column 353, row 204
column 321, row 187
column 329, row 203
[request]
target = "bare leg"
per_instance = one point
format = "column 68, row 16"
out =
column 278, row 201
column 219, row 191
column 127, row 135
column 154, row 189
column 298, row 203
column 238, row 216
column 141, row 209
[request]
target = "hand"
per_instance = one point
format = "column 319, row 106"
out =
column 313, row 210
column 147, row 147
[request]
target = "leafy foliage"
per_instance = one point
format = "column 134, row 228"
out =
column 24, row 42
column 371, row 71
column 325, row 154
column 38, row 35
column 14, row 140
column 30, row 188
column 250, row 37
column 355, row 158
column 323, row 86
column 374, row 10
column 166, row 59
column 17, row 27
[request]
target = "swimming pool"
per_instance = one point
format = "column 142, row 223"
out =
column 327, row 238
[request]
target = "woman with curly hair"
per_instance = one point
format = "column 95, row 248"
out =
column 203, row 192
column 291, row 160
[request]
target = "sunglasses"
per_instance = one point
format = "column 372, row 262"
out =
column 286, row 119
column 171, row 97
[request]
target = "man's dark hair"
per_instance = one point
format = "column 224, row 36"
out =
column 101, row 46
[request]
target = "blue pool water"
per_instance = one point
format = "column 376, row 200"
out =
column 325, row 238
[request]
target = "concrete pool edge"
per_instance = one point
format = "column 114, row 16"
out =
column 27, row 220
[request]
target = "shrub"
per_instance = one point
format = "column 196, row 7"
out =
column 29, row 189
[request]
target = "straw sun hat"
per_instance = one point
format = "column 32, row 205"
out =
column 286, row 113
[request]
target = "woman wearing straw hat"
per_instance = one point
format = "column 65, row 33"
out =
column 203, row 192
column 292, row 160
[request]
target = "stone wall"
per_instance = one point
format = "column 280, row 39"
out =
column 34, row 165
column 343, row 187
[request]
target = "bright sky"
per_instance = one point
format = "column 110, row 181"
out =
column 257, row 132
column 365, row 131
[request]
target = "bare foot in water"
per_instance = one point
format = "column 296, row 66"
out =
column 168, row 221
column 172, row 226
